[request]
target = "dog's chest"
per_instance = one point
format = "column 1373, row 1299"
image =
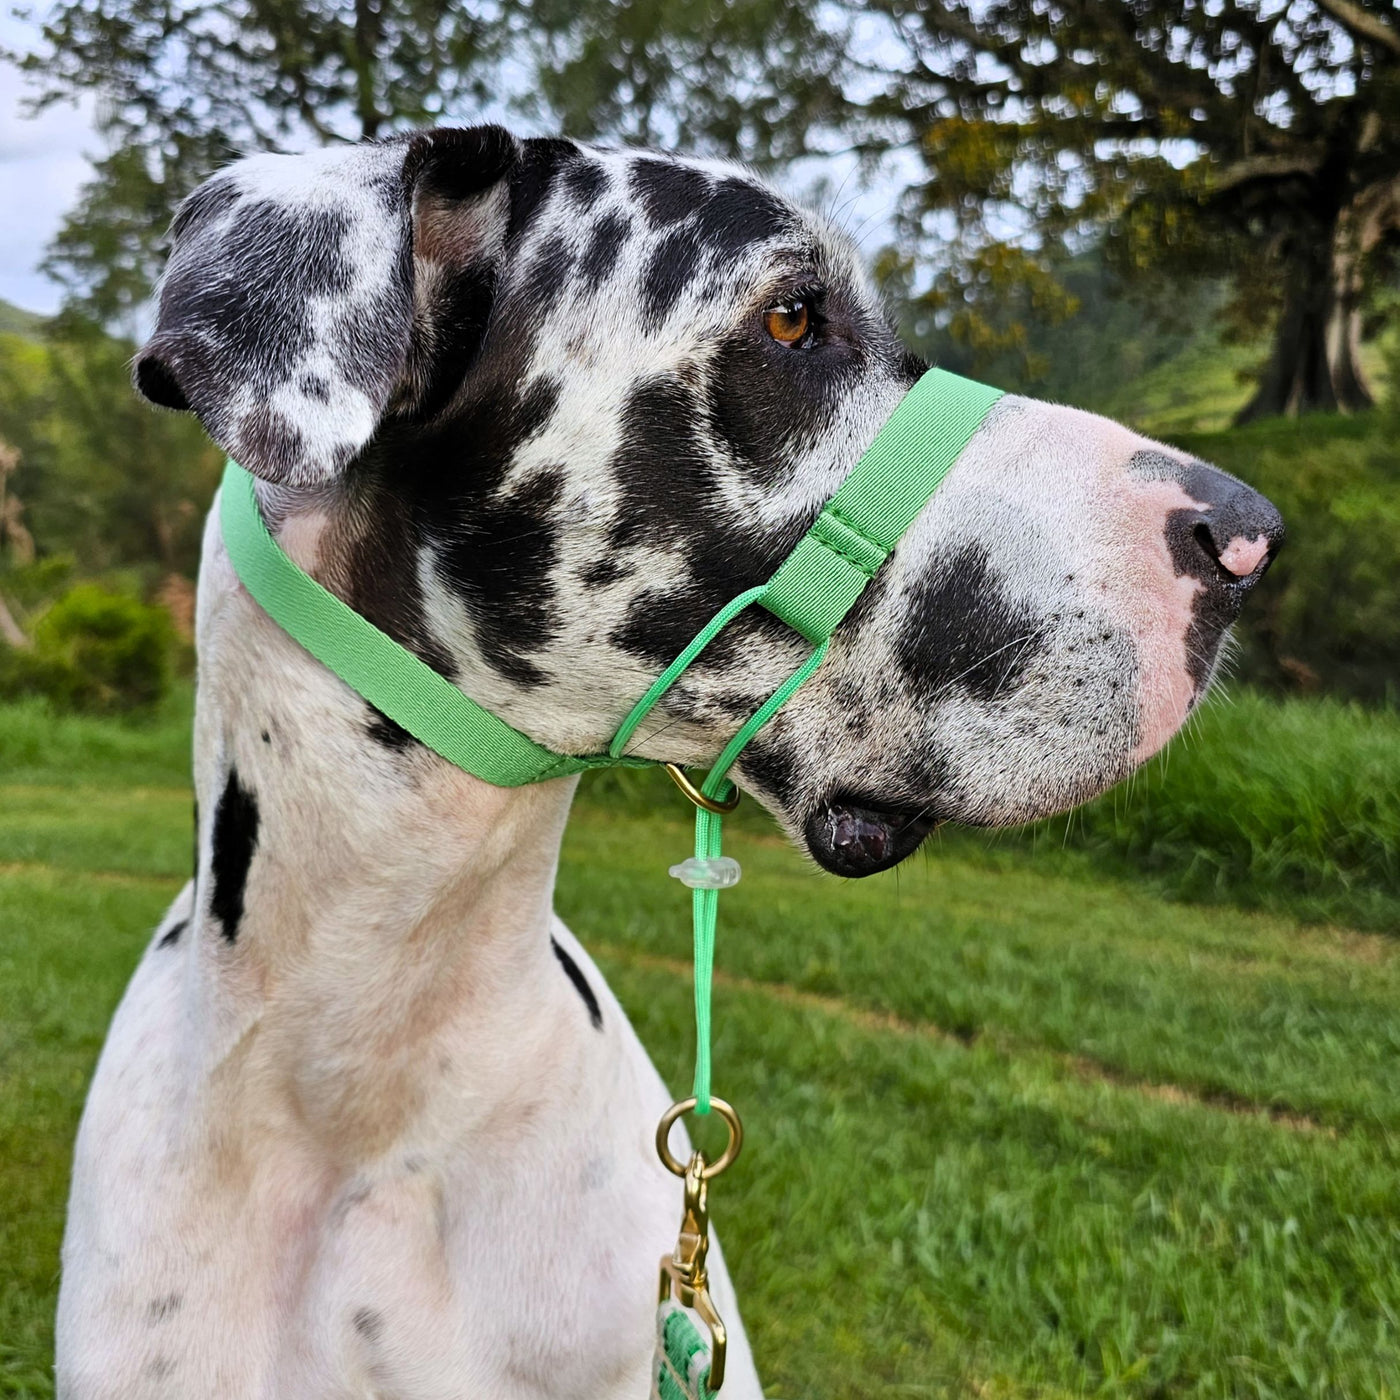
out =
column 516, row 1264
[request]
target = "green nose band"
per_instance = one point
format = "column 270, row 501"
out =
column 812, row 591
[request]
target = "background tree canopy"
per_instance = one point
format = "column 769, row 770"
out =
column 1082, row 187
column 1248, row 141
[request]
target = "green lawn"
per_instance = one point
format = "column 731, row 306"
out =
column 1018, row 1127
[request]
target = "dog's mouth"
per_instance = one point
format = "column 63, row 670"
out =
column 852, row 837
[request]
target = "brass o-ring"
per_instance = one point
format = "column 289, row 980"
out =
column 725, row 1158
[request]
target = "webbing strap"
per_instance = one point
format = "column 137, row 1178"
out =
column 817, row 584
column 386, row 674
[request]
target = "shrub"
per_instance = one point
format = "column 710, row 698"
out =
column 94, row 650
column 1328, row 616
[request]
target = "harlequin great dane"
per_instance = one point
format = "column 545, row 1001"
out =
column 368, row 1121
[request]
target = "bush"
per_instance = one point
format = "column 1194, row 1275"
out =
column 94, row 650
column 1328, row 616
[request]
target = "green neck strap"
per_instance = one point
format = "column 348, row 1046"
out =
column 812, row 591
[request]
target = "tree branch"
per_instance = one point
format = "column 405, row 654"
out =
column 1266, row 167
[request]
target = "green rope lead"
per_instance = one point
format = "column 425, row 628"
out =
column 709, row 831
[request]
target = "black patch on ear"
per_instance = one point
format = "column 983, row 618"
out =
column 963, row 632
column 575, row 975
column 172, row 935
column 446, row 348
column 585, row 180
column 604, row 247
column 668, row 190
column 458, row 162
column 235, row 840
column 155, row 381
column 671, row 269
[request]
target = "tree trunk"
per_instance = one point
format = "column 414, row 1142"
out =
column 1315, row 362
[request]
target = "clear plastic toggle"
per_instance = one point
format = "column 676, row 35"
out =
column 716, row 873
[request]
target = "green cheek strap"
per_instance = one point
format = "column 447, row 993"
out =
column 812, row 591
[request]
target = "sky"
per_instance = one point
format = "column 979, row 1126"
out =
column 42, row 165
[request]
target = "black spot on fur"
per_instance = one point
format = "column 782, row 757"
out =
column 668, row 190
column 601, row 572
column 447, row 344
column 315, row 386
column 541, row 160
column 585, row 180
column 665, row 474
column 669, row 498
column 369, row 1323
column 604, row 245
column 963, row 632
column 575, row 975
column 163, row 1306
column 235, row 840
column 388, row 732
column 172, row 935
column 546, row 276
column 377, row 572
column 670, row 270
column 740, row 213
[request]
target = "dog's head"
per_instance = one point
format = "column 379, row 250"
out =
column 554, row 405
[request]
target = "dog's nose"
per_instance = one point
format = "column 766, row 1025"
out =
column 1233, row 534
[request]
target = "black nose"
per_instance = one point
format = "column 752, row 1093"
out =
column 1230, row 537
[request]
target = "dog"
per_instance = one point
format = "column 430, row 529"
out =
column 368, row 1121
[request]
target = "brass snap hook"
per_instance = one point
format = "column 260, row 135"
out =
column 677, row 776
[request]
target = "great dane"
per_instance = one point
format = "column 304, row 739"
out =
column 368, row 1121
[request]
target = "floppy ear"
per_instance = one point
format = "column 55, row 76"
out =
column 287, row 309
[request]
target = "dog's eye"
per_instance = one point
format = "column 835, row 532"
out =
column 788, row 322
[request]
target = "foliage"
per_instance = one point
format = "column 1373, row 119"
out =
column 185, row 86
column 1255, row 142
column 1328, row 616
column 101, row 476
column 93, row 650
column 1015, row 1129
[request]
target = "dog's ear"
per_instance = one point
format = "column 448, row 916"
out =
column 289, row 319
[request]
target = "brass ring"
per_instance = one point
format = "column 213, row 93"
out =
column 696, row 796
column 725, row 1158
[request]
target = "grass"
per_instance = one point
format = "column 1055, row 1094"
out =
column 1019, row 1128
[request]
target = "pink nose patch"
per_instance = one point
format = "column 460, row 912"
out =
column 1242, row 556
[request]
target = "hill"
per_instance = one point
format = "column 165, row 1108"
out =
column 15, row 320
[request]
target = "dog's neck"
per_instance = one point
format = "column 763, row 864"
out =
column 392, row 927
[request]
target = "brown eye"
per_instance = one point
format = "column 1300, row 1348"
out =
column 788, row 323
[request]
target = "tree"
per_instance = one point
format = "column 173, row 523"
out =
column 184, row 87
column 1255, row 139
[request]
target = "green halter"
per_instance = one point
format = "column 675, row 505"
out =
column 812, row 591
